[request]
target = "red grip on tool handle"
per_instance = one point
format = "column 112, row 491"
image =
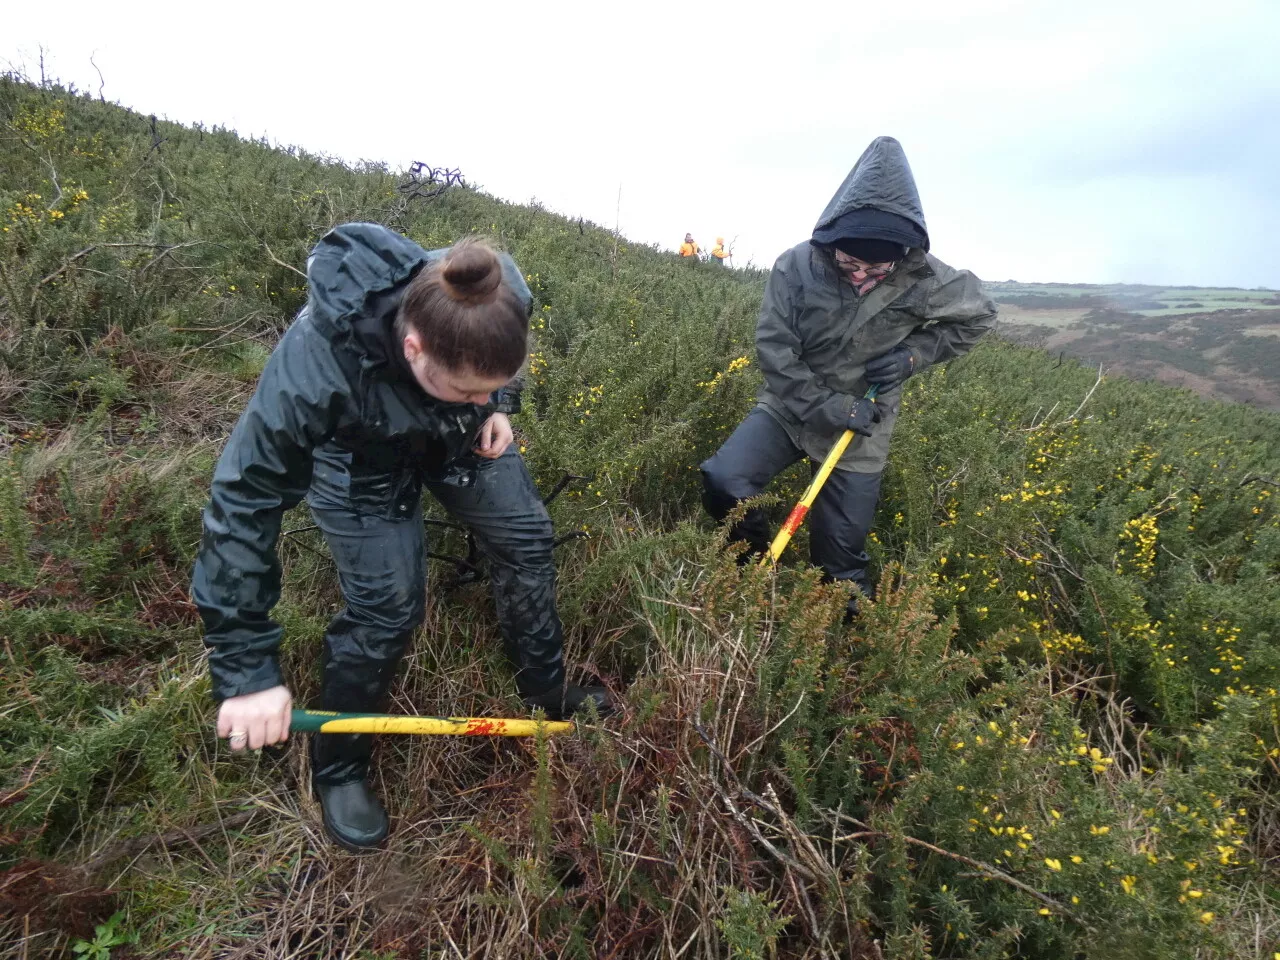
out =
column 795, row 518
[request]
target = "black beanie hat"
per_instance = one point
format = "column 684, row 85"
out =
column 868, row 223
column 871, row 251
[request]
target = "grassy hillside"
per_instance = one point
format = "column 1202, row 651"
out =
column 1223, row 344
column 1055, row 734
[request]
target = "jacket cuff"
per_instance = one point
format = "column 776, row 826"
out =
column 239, row 680
column 917, row 361
column 835, row 412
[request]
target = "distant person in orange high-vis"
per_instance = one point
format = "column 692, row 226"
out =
column 719, row 254
column 690, row 247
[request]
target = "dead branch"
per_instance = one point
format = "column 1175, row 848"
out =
column 45, row 158
column 808, row 863
column 222, row 334
column 165, row 250
column 142, row 164
column 1084, row 401
column 281, row 263
column 101, row 82
column 1037, row 421
column 53, row 178
column 754, row 798
column 62, row 269
column 865, row 831
column 1256, row 478
column 169, row 250
column 425, row 182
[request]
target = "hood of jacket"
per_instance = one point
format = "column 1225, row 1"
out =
column 880, row 180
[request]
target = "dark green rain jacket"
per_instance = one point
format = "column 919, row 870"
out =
column 816, row 334
column 337, row 375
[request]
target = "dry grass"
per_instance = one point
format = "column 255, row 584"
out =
column 618, row 841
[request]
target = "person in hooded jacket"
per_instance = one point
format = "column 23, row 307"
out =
column 395, row 375
column 861, row 302
column 690, row 247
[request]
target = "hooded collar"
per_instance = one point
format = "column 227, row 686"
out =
column 355, row 279
column 880, row 180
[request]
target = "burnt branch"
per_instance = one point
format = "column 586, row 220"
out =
column 424, row 182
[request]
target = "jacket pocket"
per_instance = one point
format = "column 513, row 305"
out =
column 338, row 482
column 388, row 495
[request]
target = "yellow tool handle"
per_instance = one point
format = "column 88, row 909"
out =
column 319, row 721
column 797, row 515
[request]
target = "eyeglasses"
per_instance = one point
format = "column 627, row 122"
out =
column 854, row 265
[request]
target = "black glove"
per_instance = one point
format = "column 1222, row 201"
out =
column 889, row 369
column 561, row 703
column 864, row 415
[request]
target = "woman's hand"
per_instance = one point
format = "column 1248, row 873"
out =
column 495, row 436
column 255, row 720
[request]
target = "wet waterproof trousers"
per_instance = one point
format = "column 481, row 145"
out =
column 374, row 528
column 757, row 451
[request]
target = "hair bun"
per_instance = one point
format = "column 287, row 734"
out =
column 471, row 272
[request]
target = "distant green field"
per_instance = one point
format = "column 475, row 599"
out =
column 1199, row 301
column 1148, row 301
column 1199, row 294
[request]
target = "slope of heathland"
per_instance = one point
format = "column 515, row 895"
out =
column 1053, row 734
column 1220, row 343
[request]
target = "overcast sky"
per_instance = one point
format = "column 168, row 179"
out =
column 1080, row 141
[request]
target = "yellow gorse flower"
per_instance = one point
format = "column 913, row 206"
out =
column 735, row 365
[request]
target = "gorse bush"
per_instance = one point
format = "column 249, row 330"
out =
column 1053, row 734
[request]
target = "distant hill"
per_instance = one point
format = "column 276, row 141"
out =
column 1222, row 343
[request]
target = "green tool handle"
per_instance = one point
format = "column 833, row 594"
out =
column 310, row 721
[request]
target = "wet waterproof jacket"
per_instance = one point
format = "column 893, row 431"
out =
column 337, row 375
column 815, row 333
